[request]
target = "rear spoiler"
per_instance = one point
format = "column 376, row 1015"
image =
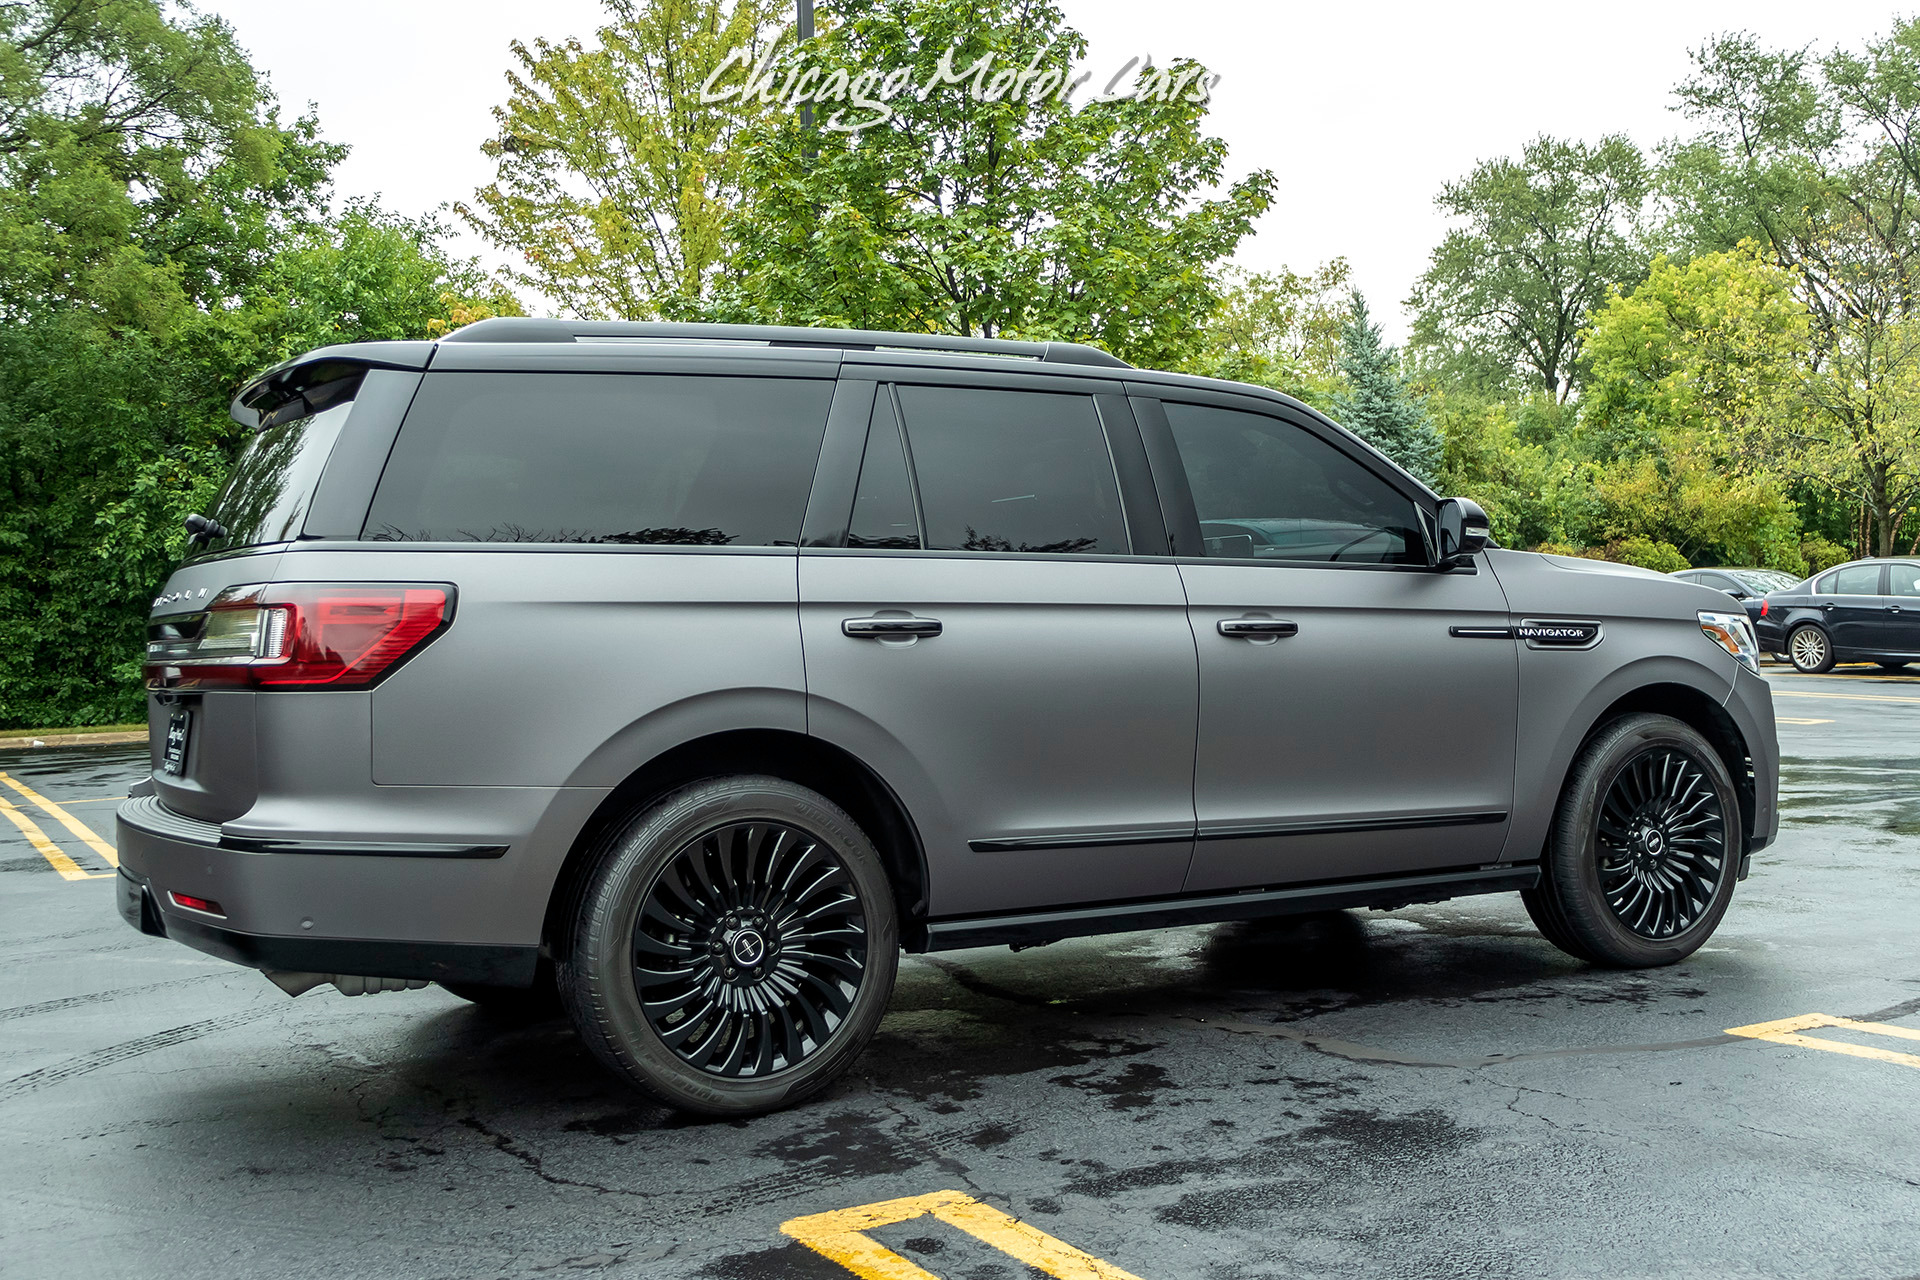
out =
column 319, row 379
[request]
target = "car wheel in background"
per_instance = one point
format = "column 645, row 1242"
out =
column 734, row 948
column 1893, row 666
column 1644, row 849
column 1809, row 650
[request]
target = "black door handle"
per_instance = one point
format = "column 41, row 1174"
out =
column 889, row 628
column 1257, row 628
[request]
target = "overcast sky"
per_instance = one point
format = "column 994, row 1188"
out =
column 1363, row 110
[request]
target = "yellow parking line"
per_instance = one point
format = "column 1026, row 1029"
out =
column 80, row 829
column 1841, row 697
column 839, row 1237
column 1785, row 1031
column 68, row 869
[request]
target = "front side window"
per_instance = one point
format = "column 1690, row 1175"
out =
column 638, row 459
column 1019, row 471
column 1852, row 580
column 1269, row 490
column 1903, row 580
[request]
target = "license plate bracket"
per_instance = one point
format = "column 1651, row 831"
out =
column 173, row 754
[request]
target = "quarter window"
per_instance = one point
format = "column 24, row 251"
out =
column 883, row 514
column 603, row 458
column 1269, row 490
column 1012, row 471
column 1852, row 580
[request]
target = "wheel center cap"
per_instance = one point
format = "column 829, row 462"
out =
column 1655, row 841
column 748, row 947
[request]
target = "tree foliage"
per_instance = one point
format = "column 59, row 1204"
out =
column 1278, row 329
column 613, row 182
column 162, row 234
column 1540, row 240
column 1376, row 404
column 966, row 213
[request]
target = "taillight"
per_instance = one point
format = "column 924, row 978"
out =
column 1763, row 608
column 298, row 635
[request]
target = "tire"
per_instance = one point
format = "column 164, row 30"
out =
column 1609, row 892
column 521, row 1004
column 1892, row 666
column 734, row 947
column 1809, row 649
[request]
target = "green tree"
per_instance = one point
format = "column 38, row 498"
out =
column 990, row 208
column 1376, row 403
column 1278, row 329
column 162, row 235
column 612, row 179
column 1540, row 241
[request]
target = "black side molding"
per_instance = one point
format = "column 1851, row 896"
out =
column 1081, row 839
column 1317, row 827
column 1481, row 633
column 1124, row 917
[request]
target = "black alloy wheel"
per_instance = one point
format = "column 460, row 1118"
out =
column 1645, row 846
column 749, row 949
column 1663, row 843
column 731, row 946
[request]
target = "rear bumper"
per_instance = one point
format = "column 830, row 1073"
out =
column 337, row 904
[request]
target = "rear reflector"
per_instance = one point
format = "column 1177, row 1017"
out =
column 299, row 635
column 192, row 903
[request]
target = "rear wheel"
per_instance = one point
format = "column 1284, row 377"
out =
column 735, row 947
column 1642, row 858
column 1809, row 650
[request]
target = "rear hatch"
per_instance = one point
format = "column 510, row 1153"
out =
column 202, row 726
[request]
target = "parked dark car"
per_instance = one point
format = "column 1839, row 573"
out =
column 1748, row 586
column 1866, row 611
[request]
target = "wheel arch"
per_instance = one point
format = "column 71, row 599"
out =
column 1700, row 712
column 782, row 753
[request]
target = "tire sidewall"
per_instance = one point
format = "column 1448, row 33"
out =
column 598, row 979
column 1575, row 862
column 1793, row 654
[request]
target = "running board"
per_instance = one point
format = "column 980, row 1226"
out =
column 1125, row 917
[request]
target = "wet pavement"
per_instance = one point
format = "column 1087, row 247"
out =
column 1427, row 1092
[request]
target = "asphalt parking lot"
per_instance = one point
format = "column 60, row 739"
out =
column 1427, row 1092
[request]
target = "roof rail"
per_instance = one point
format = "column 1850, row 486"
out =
column 528, row 329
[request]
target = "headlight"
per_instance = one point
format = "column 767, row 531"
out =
column 1732, row 632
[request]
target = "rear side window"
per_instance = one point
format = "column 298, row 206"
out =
column 1012, row 471
column 267, row 497
column 1853, row 580
column 1903, row 580
column 637, row 459
column 1269, row 490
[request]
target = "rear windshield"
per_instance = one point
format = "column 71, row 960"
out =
column 603, row 458
column 272, row 486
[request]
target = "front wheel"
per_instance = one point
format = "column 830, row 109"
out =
column 1642, row 858
column 735, row 947
column 1809, row 650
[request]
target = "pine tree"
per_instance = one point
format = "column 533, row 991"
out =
column 1377, row 404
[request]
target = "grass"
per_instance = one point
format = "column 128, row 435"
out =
column 79, row 728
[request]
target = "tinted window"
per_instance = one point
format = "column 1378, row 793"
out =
column 592, row 457
column 266, row 499
column 1269, row 490
column 883, row 514
column 1719, row 582
column 1012, row 471
column 1903, row 579
column 1853, row 580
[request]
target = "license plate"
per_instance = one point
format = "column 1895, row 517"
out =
column 173, row 758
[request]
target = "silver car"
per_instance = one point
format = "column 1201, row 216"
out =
column 684, row 675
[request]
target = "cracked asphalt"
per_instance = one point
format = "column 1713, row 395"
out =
column 1426, row 1092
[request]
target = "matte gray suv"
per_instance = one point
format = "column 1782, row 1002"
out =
column 688, row 673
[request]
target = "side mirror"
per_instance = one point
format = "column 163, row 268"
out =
column 1464, row 532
